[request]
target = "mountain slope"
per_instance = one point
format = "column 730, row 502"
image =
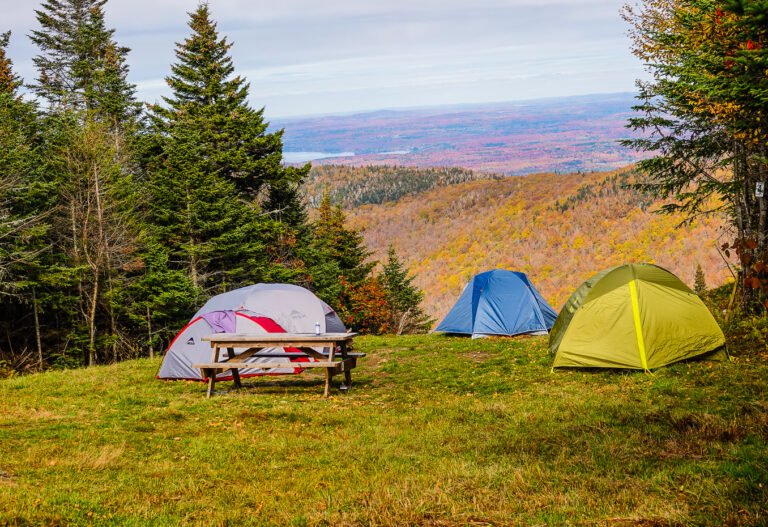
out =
column 558, row 229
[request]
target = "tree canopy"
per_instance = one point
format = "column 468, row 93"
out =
column 703, row 117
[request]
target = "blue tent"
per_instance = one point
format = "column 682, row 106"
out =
column 499, row 302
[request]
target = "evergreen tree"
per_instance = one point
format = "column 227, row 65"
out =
column 232, row 135
column 81, row 67
column 198, row 217
column 700, row 284
column 22, row 225
column 344, row 246
column 238, row 218
column 339, row 269
column 157, row 300
column 93, row 228
column 403, row 297
column 85, row 185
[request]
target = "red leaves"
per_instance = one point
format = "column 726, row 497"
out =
column 754, row 264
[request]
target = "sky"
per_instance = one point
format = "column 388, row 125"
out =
column 314, row 57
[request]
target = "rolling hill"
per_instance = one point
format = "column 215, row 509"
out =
column 559, row 229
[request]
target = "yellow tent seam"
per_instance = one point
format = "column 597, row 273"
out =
column 638, row 325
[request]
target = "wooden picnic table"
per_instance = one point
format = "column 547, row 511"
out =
column 333, row 363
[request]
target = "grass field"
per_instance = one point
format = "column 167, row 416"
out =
column 436, row 431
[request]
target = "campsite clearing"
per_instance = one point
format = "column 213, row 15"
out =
column 438, row 431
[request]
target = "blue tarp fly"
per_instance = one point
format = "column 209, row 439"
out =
column 499, row 302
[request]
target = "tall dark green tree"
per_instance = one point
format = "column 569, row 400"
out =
column 80, row 66
column 93, row 226
column 233, row 135
column 88, row 171
column 200, row 219
column 403, row 296
column 339, row 266
column 23, row 219
column 233, row 215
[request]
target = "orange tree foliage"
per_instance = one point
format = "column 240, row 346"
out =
column 559, row 229
column 364, row 307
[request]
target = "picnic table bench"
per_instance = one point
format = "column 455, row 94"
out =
column 338, row 360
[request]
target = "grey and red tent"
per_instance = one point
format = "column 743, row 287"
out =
column 256, row 309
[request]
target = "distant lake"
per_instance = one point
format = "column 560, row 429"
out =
column 303, row 157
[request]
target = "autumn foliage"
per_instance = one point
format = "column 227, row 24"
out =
column 558, row 229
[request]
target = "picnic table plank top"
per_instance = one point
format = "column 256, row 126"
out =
column 278, row 337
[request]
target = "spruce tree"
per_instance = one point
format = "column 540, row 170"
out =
column 232, row 135
column 403, row 297
column 93, row 230
column 700, row 284
column 199, row 218
column 23, row 224
column 343, row 245
column 339, row 268
column 17, row 160
column 80, row 66
column 238, row 218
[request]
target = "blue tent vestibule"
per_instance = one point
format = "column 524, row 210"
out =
column 499, row 302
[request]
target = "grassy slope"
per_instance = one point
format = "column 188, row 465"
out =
column 437, row 431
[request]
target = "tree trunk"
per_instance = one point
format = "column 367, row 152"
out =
column 193, row 272
column 37, row 330
column 92, row 322
column 149, row 334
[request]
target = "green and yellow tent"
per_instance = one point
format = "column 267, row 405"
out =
column 636, row 316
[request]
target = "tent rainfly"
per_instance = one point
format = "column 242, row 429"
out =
column 258, row 309
column 499, row 302
column 636, row 316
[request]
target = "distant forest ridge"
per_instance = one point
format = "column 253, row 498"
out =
column 549, row 135
column 351, row 187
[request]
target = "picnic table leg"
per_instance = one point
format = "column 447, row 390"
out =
column 347, row 373
column 211, row 382
column 212, row 373
column 235, row 373
column 328, row 374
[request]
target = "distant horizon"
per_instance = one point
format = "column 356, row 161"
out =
column 565, row 134
column 458, row 105
column 304, row 58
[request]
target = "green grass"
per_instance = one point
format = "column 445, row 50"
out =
column 436, row 431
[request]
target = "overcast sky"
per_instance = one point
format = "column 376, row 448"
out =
column 305, row 57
